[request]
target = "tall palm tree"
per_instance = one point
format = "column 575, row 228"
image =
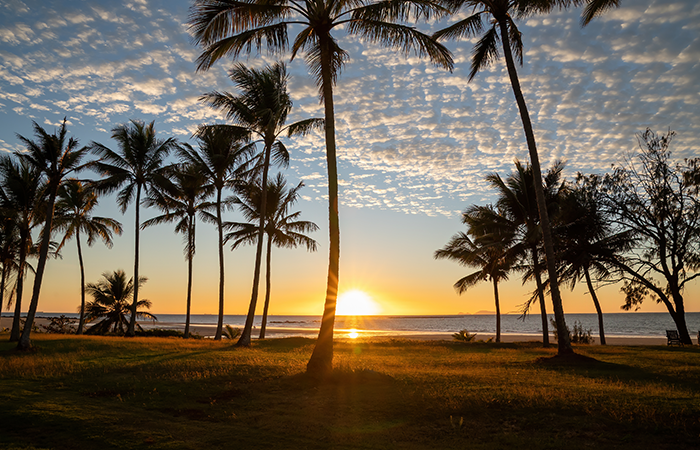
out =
column 224, row 159
column 181, row 200
column 19, row 198
column 261, row 108
column 55, row 157
column 518, row 203
column 489, row 252
column 495, row 19
column 74, row 207
column 110, row 302
column 230, row 28
column 283, row 229
column 136, row 168
column 9, row 243
column 595, row 8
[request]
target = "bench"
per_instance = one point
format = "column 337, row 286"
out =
column 673, row 338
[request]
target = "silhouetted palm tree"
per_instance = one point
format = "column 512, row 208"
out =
column 224, row 159
column 495, row 19
column 181, row 200
column 74, row 207
column 9, row 244
column 490, row 252
column 112, row 303
column 229, row 28
column 595, row 8
column 136, row 168
column 261, row 107
column 283, row 229
column 55, row 158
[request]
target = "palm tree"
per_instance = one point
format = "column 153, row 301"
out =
column 111, row 301
column 595, row 8
column 55, row 159
column 74, row 206
column 518, row 203
column 262, row 109
column 498, row 14
column 490, row 252
column 136, row 167
column 223, row 160
column 180, row 201
column 229, row 28
column 19, row 196
column 282, row 228
column 9, row 243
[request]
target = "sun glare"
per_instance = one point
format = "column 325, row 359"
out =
column 353, row 334
column 356, row 303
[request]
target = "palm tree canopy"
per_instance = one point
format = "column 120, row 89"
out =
column 595, row 8
column 228, row 28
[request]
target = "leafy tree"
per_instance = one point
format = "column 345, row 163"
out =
column 224, row 160
column 495, row 19
column 136, row 168
column 112, row 303
column 55, row 158
column 261, row 108
column 181, row 199
column 489, row 252
column 230, row 28
column 656, row 199
column 74, row 207
column 283, row 229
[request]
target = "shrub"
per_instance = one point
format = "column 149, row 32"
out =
column 60, row 325
column 579, row 335
column 231, row 333
column 464, row 336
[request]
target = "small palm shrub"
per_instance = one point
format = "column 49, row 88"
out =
column 464, row 336
column 231, row 332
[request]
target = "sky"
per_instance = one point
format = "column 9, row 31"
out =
column 415, row 142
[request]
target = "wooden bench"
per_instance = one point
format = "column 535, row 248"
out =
column 673, row 338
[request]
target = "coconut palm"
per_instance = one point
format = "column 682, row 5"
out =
column 181, row 200
column 230, row 28
column 136, row 168
column 19, row 199
column 261, row 108
column 495, row 19
column 489, row 251
column 224, row 159
column 112, row 303
column 9, row 243
column 595, row 8
column 283, row 229
column 74, row 207
column 55, row 158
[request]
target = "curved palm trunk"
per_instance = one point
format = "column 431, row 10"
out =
column 321, row 361
column 564, row 344
column 190, row 257
column 220, row 323
column 268, row 284
column 131, row 330
column 24, row 341
column 540, row 293
column 19, row 287
column 498, row 310
column 244, row 340
column 81, row 322
column 594, row 296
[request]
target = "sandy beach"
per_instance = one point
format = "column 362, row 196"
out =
column 278, row 332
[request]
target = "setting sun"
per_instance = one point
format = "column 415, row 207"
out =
column 356, row 303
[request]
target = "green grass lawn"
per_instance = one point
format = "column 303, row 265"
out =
column 107, row 392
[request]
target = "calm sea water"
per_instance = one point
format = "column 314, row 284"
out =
column 637, row 324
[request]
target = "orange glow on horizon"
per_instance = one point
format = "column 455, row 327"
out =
column 357, row 303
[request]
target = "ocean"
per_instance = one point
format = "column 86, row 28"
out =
column 636, row 324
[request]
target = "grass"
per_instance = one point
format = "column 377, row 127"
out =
column 159, row 393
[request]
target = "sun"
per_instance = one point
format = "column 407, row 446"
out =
column 356, row 303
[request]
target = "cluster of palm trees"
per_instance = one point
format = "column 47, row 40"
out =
column 36, row 189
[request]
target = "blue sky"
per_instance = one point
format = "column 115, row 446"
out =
column 414, row 141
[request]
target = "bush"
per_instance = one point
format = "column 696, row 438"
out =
column 60, row 325
column 579, row 335
column 464, row 336
column 230, row 332
column 162, row 332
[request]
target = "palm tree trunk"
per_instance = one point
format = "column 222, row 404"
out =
column 220, row 323
column 594, row 296
column 81, row 322
column 540, row 293
column 564, row 345
column 24, row 341
column 190, row 257
column 268, row 284
column 19, row 286
column 498, row 310
column 321, row 361
column 244, row 340
column 131, row 330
